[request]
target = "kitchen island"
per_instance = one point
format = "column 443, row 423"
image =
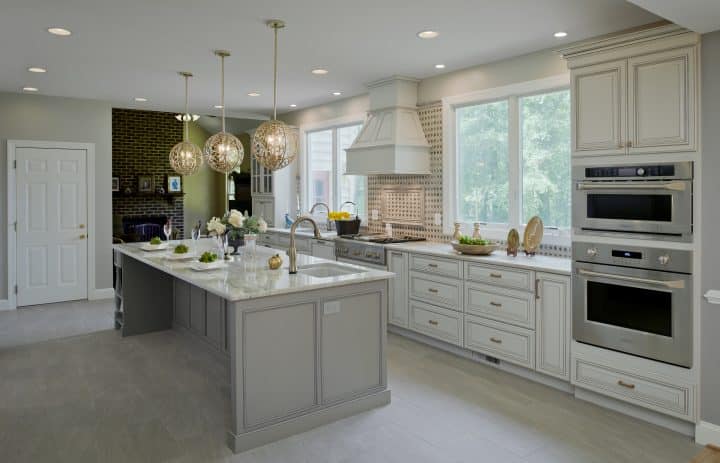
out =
column 303, row 349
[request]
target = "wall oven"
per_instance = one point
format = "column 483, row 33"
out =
column 653, row 201
column 635, row 300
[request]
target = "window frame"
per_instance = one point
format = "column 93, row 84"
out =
column 512, row 93
column 304, row 178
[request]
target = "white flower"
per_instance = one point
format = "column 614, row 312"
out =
column 216, row 226
column 236, row 219
column 262, row 225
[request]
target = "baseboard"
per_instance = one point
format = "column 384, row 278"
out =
column 707, row 433
column 5, row 305
column 102, row 293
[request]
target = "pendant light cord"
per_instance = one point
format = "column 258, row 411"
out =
column 275, row 75
column 185, row 116
column 222, row 89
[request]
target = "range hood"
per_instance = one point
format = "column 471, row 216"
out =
column 392, row 140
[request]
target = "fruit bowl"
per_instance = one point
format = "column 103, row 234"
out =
column 475, row 249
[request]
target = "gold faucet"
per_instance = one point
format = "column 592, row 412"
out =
column 292, row 251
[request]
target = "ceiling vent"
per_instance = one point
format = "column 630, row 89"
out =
column 392, row 140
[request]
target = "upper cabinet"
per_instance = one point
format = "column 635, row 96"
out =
column 636, row 93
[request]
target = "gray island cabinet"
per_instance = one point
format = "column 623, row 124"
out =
column 303, row 350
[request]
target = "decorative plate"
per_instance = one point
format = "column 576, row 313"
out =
column 475, row 249
column 203, row 266
column 172, row 255
column 533, row 235
column 154, row 247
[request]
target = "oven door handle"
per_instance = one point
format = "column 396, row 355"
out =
column 673, row 284
column 672, row 186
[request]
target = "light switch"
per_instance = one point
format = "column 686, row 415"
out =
column 438, row 219
column 374, row 213
column 331, row 307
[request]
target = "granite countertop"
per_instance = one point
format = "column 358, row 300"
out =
column 560, row 265
column 305, row 232
column 243, row 278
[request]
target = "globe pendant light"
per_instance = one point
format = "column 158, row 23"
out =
column 274, row 143
column 223, row 151
column 186, row 157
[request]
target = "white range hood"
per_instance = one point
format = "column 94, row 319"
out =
column 392, row 139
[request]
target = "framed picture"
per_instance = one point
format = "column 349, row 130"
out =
column 174, row 184
column 145, row 184
column 115, row 184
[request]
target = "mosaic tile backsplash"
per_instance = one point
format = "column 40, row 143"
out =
column 431, row 120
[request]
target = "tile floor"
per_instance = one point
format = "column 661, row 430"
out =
column 158, row 398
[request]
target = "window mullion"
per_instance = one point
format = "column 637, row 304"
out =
column 334, row 200
column 515, row 174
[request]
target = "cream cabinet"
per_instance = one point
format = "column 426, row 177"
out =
column 398, row 294
column 264, row 206
column 635, row 94
column 323, row 249
column 553, row 325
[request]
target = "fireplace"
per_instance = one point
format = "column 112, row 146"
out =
column 143, row 227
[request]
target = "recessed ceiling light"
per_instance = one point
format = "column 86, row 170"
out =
column 293, row 105
column 37, row 69
column 560, row 34
column 253, row 94
column 30, row 89
column 319, row 72
column 439, row 66
column 218, row 106
column 428, row 34
column 337, row 93
column 140, row 99
column 59, row 31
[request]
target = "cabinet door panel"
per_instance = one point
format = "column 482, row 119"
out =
column 197, row 310
column 398, row 295
column 215, row 320
column 599, row 109
column 182, row 304
column 280, row 370
column 661, row 101
column 553, row 325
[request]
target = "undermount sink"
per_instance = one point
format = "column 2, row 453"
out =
column 327, row 270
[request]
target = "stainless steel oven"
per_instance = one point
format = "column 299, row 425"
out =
column 653, row 201
column 635, row 300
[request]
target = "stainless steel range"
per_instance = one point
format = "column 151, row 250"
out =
column 635, row 300
column 367, row 249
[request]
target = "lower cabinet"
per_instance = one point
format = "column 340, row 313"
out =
column 203, row 313
column 436, row 322
column 506, row 342
column 323, row 249
column 215, row 321
column 181, row 306
column 553, row 325
column 398, row 308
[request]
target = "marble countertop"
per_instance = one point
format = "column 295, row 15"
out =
column 245, row 278
column 560, row 265
column 305, row 232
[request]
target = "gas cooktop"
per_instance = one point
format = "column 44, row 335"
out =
column 381, row 239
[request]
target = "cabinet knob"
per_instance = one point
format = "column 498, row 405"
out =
column 664, row 259
column 82, row 237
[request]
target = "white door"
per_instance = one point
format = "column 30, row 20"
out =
column 598, row 109
column 51, row 210
column 661, row 101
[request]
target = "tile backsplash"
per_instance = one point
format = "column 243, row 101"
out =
column 431, row 120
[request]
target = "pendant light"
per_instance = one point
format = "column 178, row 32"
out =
column 274, row 143
column 223, row 151
column 186, row 157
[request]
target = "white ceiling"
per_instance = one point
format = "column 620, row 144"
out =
column 123, row 49
column 698, row 15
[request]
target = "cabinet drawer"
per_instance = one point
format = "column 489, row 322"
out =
column 446, row 267
column 658, row 395
column 505, row 305
column 437, row 290
column 510, row 343
column 500, row 276
column 436, row 322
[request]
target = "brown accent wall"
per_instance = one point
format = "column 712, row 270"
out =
column 141, row 143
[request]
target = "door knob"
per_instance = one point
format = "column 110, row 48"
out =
column 82, row 237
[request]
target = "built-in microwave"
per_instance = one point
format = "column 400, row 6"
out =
column 644, row 201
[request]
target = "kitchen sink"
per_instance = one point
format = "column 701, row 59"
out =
column 327, row 270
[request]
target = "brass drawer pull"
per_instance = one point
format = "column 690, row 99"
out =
column 624, row 384
column 495, row 304
column 433, row 322
column 433, row 290
column 433, row 265
column 496, row 340
column 496, row 275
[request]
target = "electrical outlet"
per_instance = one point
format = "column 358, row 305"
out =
column 438, row 219
column 374, row 213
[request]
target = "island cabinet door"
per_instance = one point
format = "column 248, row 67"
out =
column 215, row 320
column 181, row 311
column 350, row 346
column 197, row 310
column 279, row 362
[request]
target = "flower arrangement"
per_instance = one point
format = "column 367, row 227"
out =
column 236, row 225
column 339, row 215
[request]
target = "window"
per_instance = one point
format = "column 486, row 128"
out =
column 326, row 163
column 512, row 157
